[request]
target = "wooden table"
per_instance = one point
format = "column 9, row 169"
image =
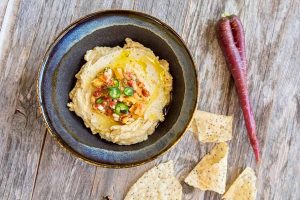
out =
column 34, row 166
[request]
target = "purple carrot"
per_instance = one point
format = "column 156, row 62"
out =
column 239, row 39
column 232, row 42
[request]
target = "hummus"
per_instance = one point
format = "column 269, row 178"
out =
column 121, row 93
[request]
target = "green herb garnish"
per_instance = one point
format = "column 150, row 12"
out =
column 114, row 92
column 121, row 108
column 128, row 91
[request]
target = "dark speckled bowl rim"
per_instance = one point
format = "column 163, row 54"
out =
column 57, row 137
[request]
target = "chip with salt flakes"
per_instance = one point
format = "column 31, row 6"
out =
column 211, row 127
column 158, row 183
column 243, row 188
column 210, row 172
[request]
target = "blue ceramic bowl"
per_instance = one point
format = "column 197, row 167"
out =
column 64, row 59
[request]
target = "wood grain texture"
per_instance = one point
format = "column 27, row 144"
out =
column 3, row 8
column 33, row 166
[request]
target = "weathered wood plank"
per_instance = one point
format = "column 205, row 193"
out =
column 34, row 166
column 3, row 8
column 22, row 132
column 8, row 16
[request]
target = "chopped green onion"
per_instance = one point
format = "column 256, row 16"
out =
column 128, row 91
column 99, row 100
column 121, row 108
column 114, row 92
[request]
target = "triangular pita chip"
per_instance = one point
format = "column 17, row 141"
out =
column 243, row 188
column 210, row 172
column 212, row 127
column 158, row 183
column 193, row 128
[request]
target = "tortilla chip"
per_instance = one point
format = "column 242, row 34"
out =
column 193, row 128
column 212, row 127
column 243, row 187
column 210, row 172
column 158, row 183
